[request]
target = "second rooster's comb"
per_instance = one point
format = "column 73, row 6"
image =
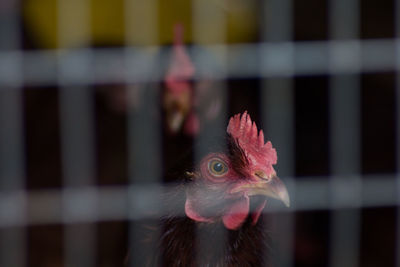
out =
column 246, row 133
column 181, row 67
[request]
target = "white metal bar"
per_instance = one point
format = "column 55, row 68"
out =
column 204, row 140
column 397, row 251
column 77, row 129
column 280, row 59
column 278, row 20
column 78, row 171
column 145, row 162
column 209, row 27
column 144, row 124
column 12, row 158
column 344, row 19
column 10, row 27
column 345, row 151
column 144, row 129
column 12, row 176
column 278, row 114
column 345, row 135
column 110, row 203
column 397, row 121
column 78, row 168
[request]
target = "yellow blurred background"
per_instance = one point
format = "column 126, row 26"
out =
column 107, row 21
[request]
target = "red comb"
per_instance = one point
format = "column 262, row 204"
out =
column 245, row 132
column 181, row 68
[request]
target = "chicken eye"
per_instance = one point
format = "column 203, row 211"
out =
column 217, row 167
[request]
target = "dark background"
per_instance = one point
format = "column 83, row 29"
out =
column 312, row 130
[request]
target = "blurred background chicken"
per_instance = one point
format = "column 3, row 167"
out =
column 187, row 101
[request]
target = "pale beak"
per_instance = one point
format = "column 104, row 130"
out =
column 270, row 186
column 175, row 120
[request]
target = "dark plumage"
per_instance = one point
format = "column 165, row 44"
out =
column 213, row 217
column 185, row 242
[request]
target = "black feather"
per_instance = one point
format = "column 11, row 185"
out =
column 181, row 241
column 237, row 156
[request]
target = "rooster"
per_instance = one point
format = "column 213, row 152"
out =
column 182, row 97
column 222, row 200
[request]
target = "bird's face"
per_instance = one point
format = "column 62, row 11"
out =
column 224, row 182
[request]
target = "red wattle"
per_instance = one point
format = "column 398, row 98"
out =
column 256, row 215
column 192, row 214
column 237, row 213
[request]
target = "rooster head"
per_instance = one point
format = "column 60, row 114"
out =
column 224, row 182
column 178, row 93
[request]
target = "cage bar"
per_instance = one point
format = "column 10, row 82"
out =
column 285, row 59
column 209, row 27
column 78, row 171
column 277, row 106
column 10, row 25
column 345, row 145
column 397, row 129
column 346, row 181
column 12, row 178
column 77, row 129
column 145, row 167
column 44, row 207
column 278, row 113
column 397, row 248
column 144, row 123
column 12, row 158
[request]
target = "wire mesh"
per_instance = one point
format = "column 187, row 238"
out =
column 278, row 59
